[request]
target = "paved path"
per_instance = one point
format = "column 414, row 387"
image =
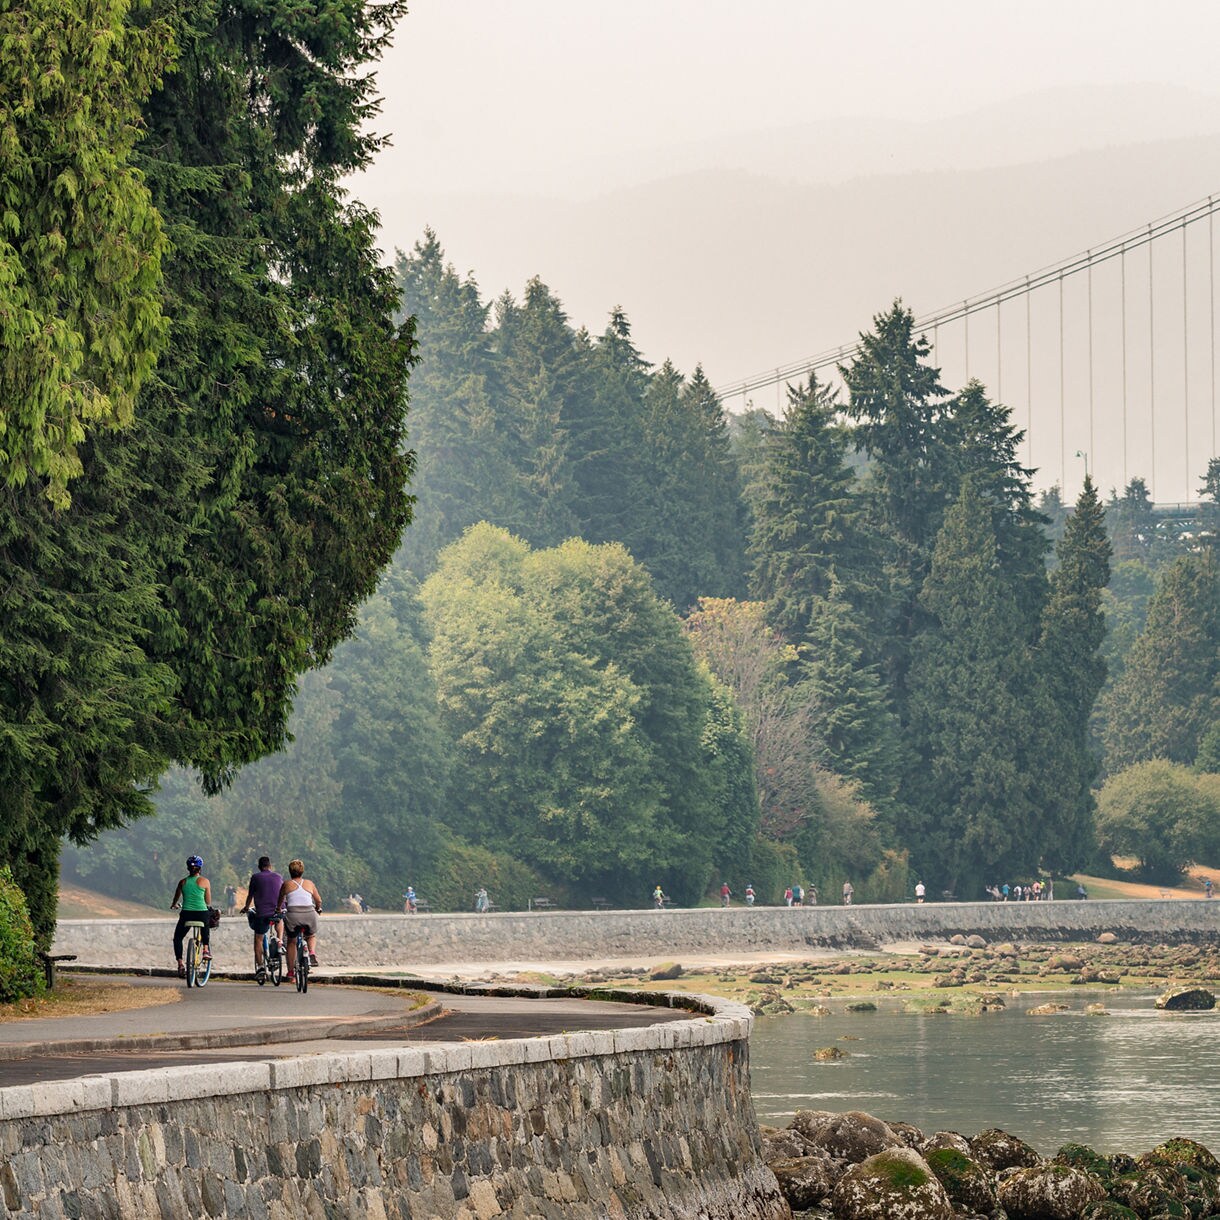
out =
column 223, row 1018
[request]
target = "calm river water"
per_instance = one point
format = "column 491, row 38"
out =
column 1118, row 1083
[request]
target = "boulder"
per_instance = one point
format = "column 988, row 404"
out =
column 893, row 1185
column 851, row 1137
column 1045, row 1010
column 1182, row 1151
column 862, row 1006
column 957, row 939
column 1065, row 963
column 828, row 1054
column 970, row 1187
column 670, row 970
column 1048, row 1192
column 910, row 1135
column 782, row 1143
column 1186, row 999
column 1096, row 1010
column 1153, row 1190
column 1108, row 1209
column 999, row 1150
column 1106, row 938
column 946, row 1139
column 1081, row 1156
column 976, row 942
column 804, row 1180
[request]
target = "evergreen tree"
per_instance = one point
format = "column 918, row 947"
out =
column 541, row 366
column 604, row 426
column 1209, row 506
column 1169, row 692
column 851, row 720
column 806, row 518
column 1073, row 672
column 80, row 242
column 972, row 716
column 1132, row 523
column 462, row 476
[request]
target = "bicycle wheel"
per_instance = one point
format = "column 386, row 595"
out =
column 275, row 967
column 190, row 958
column 302, row 965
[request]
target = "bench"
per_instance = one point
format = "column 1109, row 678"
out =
column 422, row 906
column 49, row 962
column 601, row 904
column 542, row 904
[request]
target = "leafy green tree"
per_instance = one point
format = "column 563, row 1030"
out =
column 1073, row 672
column 1162, row 814
column 579, row 715
column 806, row 516
column 1169, row 693
column 971, row 715
column 80, row 242
column 20, row 973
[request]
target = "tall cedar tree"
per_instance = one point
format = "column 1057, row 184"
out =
column 218, row 546
column 80, row 242
column 541, row 369
column 851, row 720
column 1169, row 693
column 898, row 405
column 461, row 477
column 972, row 716
column 806, row 515
column 1073, row 672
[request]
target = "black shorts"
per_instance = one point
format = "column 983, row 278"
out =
column 259, row 923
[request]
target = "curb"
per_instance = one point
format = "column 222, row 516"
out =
column 309, row 1031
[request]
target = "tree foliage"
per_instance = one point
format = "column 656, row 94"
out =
column 80, row 241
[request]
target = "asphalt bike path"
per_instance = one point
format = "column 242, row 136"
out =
column 233, row 1020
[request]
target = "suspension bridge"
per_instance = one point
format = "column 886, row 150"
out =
column 1107, row 358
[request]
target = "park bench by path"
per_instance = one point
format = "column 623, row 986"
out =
column 602, row 904
column 542, row 904
column 422, row 906
column 49, row 962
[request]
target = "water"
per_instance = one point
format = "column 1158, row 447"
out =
column 1118, row 1083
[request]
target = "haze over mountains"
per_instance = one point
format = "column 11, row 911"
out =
column 744, row 252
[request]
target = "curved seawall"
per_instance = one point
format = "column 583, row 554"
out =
column 389, row 940
column 653, row 1122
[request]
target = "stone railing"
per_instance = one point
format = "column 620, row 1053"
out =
column 430, row 940
column 645, row 1122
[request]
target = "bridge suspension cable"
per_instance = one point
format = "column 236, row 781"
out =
column 1024, row 286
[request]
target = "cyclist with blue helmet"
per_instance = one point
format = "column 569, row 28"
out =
column 192, row 899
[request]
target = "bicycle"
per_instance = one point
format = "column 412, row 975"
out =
column 198, row 967
column 273, row 961
column 302, row 962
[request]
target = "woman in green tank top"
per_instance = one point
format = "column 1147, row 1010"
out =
column 194, row 897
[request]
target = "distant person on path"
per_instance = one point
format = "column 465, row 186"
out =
column 1048, row 890
column 920, row 891
column 813, row 896
column 788, row 896
column 263, row 895
column 480, row 901
column 749, row 895
column 725, row 894
column 409, row 901
column 1081, row 892
column 1207, row 887
column 230, row 899
column 1004, row 891
column 191, row 899
column 848, row 893
column 798, row 896
column 301, row 904
column 1016, row 893
column 658, row 898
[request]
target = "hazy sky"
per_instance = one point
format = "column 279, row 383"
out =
column 752, row 182
column 495, row 92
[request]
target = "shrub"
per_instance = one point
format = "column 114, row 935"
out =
column 20, row 973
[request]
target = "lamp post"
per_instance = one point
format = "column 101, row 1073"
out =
column 1080, row 453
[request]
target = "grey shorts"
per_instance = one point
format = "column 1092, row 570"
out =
column 301, row 917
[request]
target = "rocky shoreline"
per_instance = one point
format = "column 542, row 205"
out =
column 854, row 1166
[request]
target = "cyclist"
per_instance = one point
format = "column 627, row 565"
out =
column 263, row 894
column 302, row 904
column 192, row 899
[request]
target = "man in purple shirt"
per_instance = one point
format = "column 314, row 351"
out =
column 262, row 894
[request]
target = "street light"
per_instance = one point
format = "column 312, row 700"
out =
column 1080, row 453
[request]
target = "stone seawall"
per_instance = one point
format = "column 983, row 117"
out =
column 423, row 940
column 633, row 1124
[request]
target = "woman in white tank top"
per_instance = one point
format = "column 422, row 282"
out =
column 301, row 904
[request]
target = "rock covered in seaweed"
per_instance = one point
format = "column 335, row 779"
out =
column 896, row 1184
column 1048, row 1192
column 1186, row 999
